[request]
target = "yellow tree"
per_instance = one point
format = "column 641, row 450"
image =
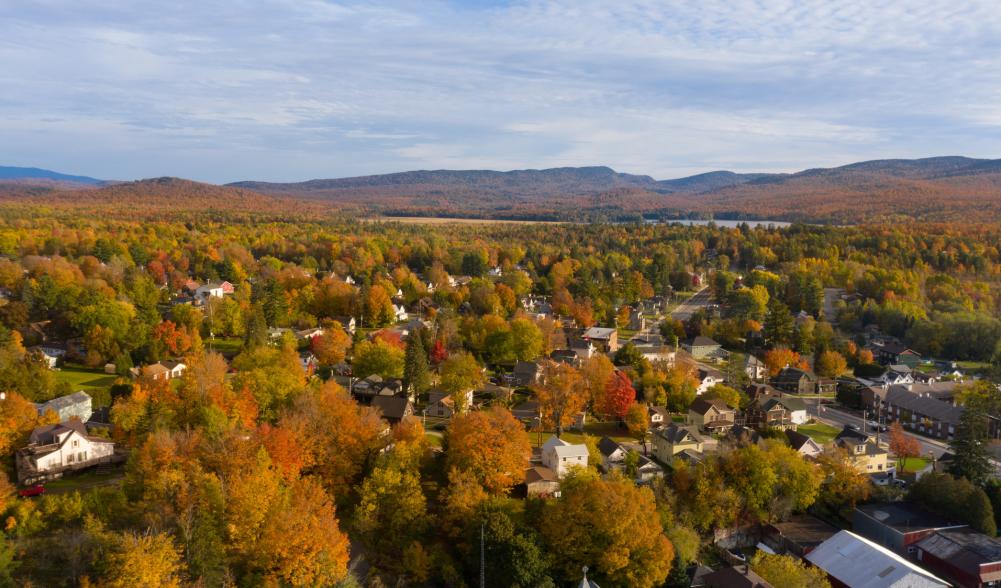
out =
column 561, row 395
column 611, row 526
column 148, row 559
column 788, row 572
column 490, row 444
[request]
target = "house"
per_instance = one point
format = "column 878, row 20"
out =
column 755, row 369
column 707, row 379
column 441, row 404
column 797, row 381
column 803, row 444
column 672, row 440
column 495, row 272
column 526, row 373
column 49, row 354
column 582, row 348
column 158, row 371
column 559, row 455
column 701, row 347
column 898, row 526
column 897, row 374
column 921, row 412
column 851, row 560
column 612, row 454
column 175, row 369
column 308, row 361
column 741, row 436
column 637, row 322
column 741, row 576
column 393, row 408
column 309, row 334
column 541, row 481
column 798, row 535
column 210, row 290
column 962, row 556
column 896, row 353
column 348, row 323
column 604, row 339
column 866, row 456
column 657, row 353
column 367, row 389
column 766, row 412
column 55, row 449
column 400, row 313
column 712, row 415
column 77, row 404
column 659, row 416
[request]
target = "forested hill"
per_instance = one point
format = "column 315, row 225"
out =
column 938, row 188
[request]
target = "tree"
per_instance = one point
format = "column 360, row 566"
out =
column 392, row 512
column 597, row 370
column 902, row 445
column 844, row 486
column 512, row 553
column 561, row 395
column 638, row 423
column 619, row 396
column 779, row 324
column 733, row 398
column 628, row 354
column 831, row 364
column 459, row 374
column 490, row 444
column 611, row 526
column 332, row 346
column 787, row 571
column 416, row 373
column 956, row 498
column 378, row 307
column 528, row 340
column 149, row 559
column 969, row 445
column 377, row 357
column 779, row 358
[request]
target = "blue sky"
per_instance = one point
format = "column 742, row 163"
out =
column 288, row 90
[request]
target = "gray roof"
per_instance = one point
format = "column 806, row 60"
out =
column 676, row 434
column 904, row 517
column 796, row 439
column 62, row 402
column 701, row 341
column 735, row 577
column 607, row 446
column 924, row 405
column 392, row 407
column 857, row 562
column 964, row 548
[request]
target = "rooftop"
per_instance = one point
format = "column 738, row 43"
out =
column 904, row 517
column 855, row 561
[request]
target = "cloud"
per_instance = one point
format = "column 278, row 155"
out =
column 294, row 89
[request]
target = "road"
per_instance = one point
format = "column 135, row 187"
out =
column 838, row 418
column 698, row 301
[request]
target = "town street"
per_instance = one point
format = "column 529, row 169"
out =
column 698, row 301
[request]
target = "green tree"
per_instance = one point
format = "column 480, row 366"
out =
column 779, row 323
column 459, row 374
column 416, row 373
column 969, row 445
column 377, row 357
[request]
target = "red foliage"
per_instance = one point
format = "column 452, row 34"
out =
column 619, row 395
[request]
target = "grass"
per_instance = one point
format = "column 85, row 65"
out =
column 82, row 481
column 819, row 432
column 913, row 464
column 593, row 429
column 86, row 379
column 226, row 345
column 434, row 438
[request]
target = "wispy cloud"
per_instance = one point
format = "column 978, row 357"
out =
column 294, row 89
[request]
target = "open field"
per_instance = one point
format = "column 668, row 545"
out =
column 86, row 379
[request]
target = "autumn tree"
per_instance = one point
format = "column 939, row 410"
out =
column 619, row 396
column 844, row 486
column 561, row 395
column 638, row 423
column 146, row 559
column 377, row 357
column 781, row 357
column 831, row 364
column 393, row 512
column 459, row 374
column 332, row 346
column 597, row 370
column 612, row 527
column 902, row 445
column 785, row 570
column 490, row 444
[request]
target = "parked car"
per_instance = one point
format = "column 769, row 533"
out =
column 36, row 490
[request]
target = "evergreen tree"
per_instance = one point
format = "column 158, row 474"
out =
column 256, row 332
column 779, row 323
column 970, row 445
column 416, row 375
column 678, row 578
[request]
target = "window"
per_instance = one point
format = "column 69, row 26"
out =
column 70, row 458
column 76, row 443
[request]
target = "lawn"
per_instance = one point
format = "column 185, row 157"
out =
column 819, row 432
column 86, row 379
column 82, row 481
column 226, row 345
column 593, row 429
column 913, row 464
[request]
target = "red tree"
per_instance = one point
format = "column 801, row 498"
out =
column 619, row 395
column 438, row 352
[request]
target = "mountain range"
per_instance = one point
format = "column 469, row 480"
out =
column 937, row 188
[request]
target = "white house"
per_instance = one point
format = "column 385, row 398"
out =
column 560, row 456
column 707, row 379
column 53, row 449
column 441, row 404
column 210, row 290
column 495, row 272
column 175, row 369
column 400, row 312
column 77, row 404
column 51, row 355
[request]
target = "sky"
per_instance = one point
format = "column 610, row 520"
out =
column 288, row 90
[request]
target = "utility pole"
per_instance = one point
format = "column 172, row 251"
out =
column 483, row 560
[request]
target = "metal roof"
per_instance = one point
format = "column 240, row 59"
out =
column 857, row 562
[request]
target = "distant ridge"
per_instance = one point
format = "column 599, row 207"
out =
column 34, row 173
